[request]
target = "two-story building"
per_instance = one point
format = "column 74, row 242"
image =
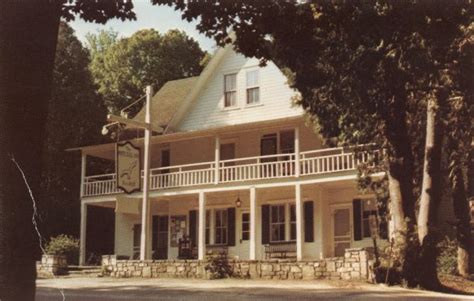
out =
column 237, row 165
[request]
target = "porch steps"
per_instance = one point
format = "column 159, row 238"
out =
column 84, row 271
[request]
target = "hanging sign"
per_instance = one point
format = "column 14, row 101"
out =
column 128, row 167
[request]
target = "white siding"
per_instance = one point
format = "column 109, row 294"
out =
column 275, row 97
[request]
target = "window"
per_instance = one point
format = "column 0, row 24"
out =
column 369, row 208
column 245, row 226
column 277, row 223
column 292, row 222
column 287, row 142
column 208, row 226
column 253, row 92
column 220, row 227
column 230, row 90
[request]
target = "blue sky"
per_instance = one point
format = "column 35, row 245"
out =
column 161, row 18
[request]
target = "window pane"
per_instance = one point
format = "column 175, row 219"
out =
column 281, row 213
column 245, row 236
column 245, row 217
column 287, row 142
column 230, row 99
column 252, row 78
column 253, row 95
column 292, row 213
column 274, row 211
column 293, row 232
column 282, row 232
column 230, row 82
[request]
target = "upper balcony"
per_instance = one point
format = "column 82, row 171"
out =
column 251, row 169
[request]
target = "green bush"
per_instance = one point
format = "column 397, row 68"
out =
column 447, row 258
column 218, row 267
column 64, row 245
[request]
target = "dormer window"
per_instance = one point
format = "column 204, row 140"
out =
column 230, row 90
column 253, row 91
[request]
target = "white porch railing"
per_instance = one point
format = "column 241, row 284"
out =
column 241, row 169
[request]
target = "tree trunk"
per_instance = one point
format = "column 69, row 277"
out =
column 28, row 35
column 430, row 197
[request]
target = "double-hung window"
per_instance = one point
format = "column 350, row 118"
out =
column 220, row 226
column 230, row 90
column 245, row 226
column 253, row 90
column 292, row 222
column 208, row 227
column 369, row 208
column 277, row 223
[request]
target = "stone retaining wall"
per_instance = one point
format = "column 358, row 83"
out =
column 353, row 266
column 51, row 265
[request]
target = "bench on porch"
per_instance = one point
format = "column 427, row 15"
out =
column 280, row 250
column 217, row 250
column 186, row 249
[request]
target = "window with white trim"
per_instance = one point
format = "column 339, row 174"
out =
column 253, row 90
column 277, row 223
column 245, row 226
column 230, row 90
column 220, row 221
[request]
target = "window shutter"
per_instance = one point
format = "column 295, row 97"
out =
column 231, row 226
column 308, row 221
column 357, row 218
column 154, row 233
column 383, row 224
column 265, row 224
column 193, row 227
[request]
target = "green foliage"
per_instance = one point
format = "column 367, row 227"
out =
column 447, row 258
column 123, row 68
column 218, row 267
column 64, row 245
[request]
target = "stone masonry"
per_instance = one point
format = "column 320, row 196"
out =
column 353, row 266
column 52, row 265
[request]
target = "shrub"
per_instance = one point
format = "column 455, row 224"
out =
column 64, row 245
column 218, row 267
column 447, row 258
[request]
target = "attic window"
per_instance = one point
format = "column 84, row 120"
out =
column 253, row 91
column 230, row 90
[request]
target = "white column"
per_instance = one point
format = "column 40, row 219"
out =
column 297, row 152
column 253, row 224
column 299, row 223
column 83, row 171
column 145, row 231
column 217, row 155
column 82, row 250
column 202, row 227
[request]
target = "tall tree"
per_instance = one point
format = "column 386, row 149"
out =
column 364, row 72
column 122, row 68
column 28, row 35
column 75, row 115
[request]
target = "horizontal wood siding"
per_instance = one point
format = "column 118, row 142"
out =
column 275, row 97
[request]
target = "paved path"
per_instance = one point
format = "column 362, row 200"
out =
column 95, row 289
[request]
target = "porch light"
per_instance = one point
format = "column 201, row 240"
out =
column 238, row 202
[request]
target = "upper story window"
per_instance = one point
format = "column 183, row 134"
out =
column 253, row 90
column 230, row 90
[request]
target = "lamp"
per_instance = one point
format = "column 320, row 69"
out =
column 238, row 202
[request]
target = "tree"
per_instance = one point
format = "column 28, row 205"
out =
column 122, row 68
column 75, row 116
column 365, row 71
column 28, row 35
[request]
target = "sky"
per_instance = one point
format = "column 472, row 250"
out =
column 161, row 18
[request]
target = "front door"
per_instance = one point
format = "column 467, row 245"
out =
column 244, row 234
column 341, row 225
column 161, row 244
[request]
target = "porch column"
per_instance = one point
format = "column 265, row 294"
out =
column 297, row 152
column 299, row 223
column 82, row 241
column 83, row 172
column 253, row 223
column 202, row 227
column 217, row 155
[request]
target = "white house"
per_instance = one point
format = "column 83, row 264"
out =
column 238, row 166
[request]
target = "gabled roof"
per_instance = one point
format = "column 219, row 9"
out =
column 167, row 100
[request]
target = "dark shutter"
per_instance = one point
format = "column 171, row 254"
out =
column 154, row 233
column 357, row 218
column 193, row 227
column 231, row 226
column 308, row 221
column 265, row 224
column 383, row 224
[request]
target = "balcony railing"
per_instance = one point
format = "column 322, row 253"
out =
column 314, row 162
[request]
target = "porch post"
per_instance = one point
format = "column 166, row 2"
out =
column 202, row 227
column 217, row 150
column 82, row 241
column 145, row 231
column 299, row 223
column 253, row 223
column 297, row 152
column 83, row 172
